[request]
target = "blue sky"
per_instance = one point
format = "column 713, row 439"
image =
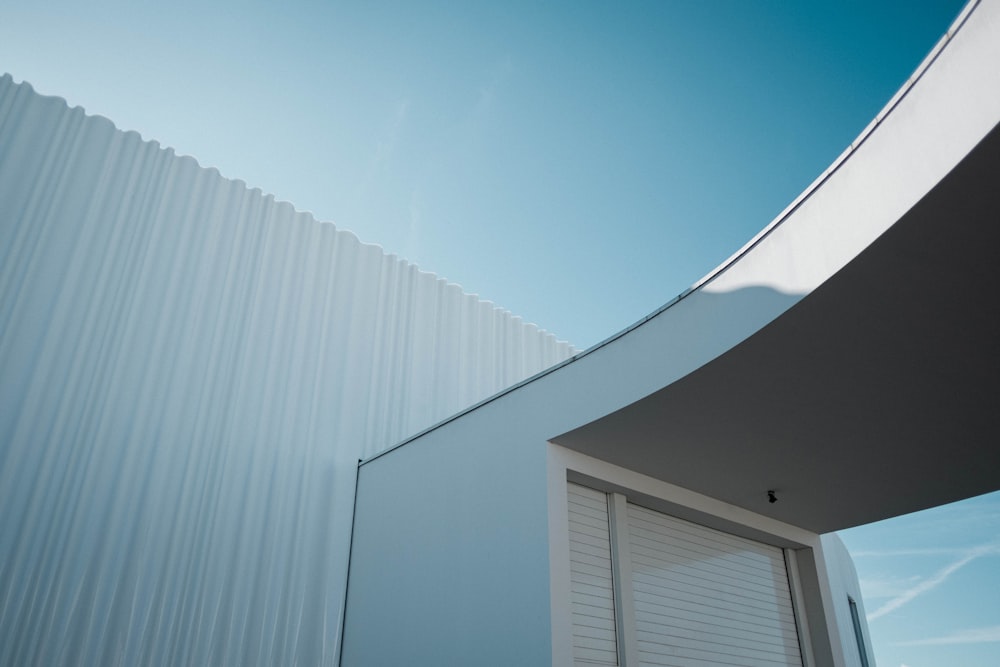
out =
column 577, row 163
column 931, row 583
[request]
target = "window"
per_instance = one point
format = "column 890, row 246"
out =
column 652, row 589
column 594, row 627
column 858, row 633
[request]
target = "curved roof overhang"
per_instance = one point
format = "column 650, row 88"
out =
column 848, row 357
column 845, row 358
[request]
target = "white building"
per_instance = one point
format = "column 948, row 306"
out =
column 192, row 370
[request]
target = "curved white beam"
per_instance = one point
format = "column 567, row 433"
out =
column 775, row 372
column 875, row 395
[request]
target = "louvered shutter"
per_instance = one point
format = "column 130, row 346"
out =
column 594, row 635
column 703, row 597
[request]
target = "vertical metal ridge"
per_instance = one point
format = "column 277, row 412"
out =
column 191, row 371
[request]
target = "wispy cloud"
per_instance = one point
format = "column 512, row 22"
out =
column 933, row 581
column 481, row 114
column 896, row 553
column 386, row 144
column 413, row 231
column 878, row 588
column 385, row 147
column 488, row 90
column 970, row 636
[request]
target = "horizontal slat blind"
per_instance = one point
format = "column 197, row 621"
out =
column 703, row 597
column 594, row 636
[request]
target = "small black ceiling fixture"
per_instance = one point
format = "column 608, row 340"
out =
column 771, row 498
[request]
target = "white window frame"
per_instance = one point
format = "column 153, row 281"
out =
column 566, row 466
column 859, row 634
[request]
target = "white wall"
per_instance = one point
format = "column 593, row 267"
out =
column 190, row 372
column 843, row 585
column 446, row 490
column 449, row 565
column 461, row 548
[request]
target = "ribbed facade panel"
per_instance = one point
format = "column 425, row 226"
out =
column 703, row 597
column 189, row 371
column 595, row 640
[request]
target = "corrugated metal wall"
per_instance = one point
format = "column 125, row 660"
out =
column 189, row 371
